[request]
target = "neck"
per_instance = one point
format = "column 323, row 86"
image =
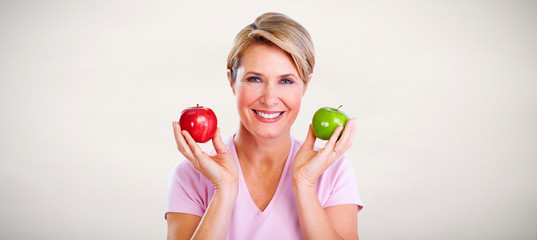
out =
column 260, row 152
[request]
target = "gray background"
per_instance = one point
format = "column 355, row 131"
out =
column 444, row 94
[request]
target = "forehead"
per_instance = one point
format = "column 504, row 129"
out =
column 268, row 58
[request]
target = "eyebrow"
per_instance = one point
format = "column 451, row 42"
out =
column 260, row 74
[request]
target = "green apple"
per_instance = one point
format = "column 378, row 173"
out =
column 326, row 120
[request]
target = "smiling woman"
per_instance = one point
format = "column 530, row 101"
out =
column 262, row 183
column 270, row 93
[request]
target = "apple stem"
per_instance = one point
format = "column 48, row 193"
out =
column 339, row 107
column 197, row 105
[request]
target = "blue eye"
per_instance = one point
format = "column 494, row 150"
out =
column 254, row 79
column 287, row 81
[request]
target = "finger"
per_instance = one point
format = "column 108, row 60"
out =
column 194, row 147
column 346, row 137
column 353, row 133
column 309, row 143
column 218, row 144
column 329, row 146
column 182, row 146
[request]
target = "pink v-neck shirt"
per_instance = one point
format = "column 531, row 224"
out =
column 190, row 192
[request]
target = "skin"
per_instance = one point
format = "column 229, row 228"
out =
column 267, row 81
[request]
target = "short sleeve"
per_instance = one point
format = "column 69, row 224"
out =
column 339, row 185
column 187, row 192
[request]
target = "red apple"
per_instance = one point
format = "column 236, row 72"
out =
column 200, row 122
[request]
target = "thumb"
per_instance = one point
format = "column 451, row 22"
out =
column 309, row 143
column 218, row 144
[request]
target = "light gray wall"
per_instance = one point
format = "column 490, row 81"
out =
column 444, row 93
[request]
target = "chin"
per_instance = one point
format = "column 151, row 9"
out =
column 268, row 133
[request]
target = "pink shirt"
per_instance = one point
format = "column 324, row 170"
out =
column 190, row 192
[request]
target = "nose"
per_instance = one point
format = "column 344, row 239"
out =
column 270, row 95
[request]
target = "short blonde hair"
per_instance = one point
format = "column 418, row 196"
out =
column 280, row 30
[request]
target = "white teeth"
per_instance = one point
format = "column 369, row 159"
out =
column 265, row 115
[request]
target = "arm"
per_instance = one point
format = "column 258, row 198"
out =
column 181, row 225
column 344, row 218
column 222, row 171
column 213, row 225
column 336, row 222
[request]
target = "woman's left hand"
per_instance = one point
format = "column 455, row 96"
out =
column 309, row 164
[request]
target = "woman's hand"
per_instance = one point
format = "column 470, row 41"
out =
column 221, row 169
column 309, row 164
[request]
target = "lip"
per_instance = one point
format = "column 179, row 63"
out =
column 268, row 120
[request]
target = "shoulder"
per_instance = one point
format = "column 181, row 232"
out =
column 342, row 164
column 185, row 167
column 185, row 174
column 338, row 171
column 188, row 191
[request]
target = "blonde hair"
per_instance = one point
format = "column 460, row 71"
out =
column 280, row 30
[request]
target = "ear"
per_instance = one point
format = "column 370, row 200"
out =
column 231, row 83
column 307, row 84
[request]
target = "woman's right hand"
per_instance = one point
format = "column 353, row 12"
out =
column 221, row 168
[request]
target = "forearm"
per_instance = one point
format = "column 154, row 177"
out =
column 215, row 221
column 314, row 222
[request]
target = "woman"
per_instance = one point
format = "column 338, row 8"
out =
column 262, row 183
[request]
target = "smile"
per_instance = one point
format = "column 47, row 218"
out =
column 268, row 115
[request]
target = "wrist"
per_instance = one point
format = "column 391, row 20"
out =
column 229, row 189
column 226, row 184
column 226, row 198
column 302, row 184
column 298, row 180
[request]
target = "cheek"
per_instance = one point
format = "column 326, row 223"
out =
column 245, row 97
column 294, row 100
column 297, row 101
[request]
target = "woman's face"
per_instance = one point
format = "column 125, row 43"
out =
column 268, row 90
